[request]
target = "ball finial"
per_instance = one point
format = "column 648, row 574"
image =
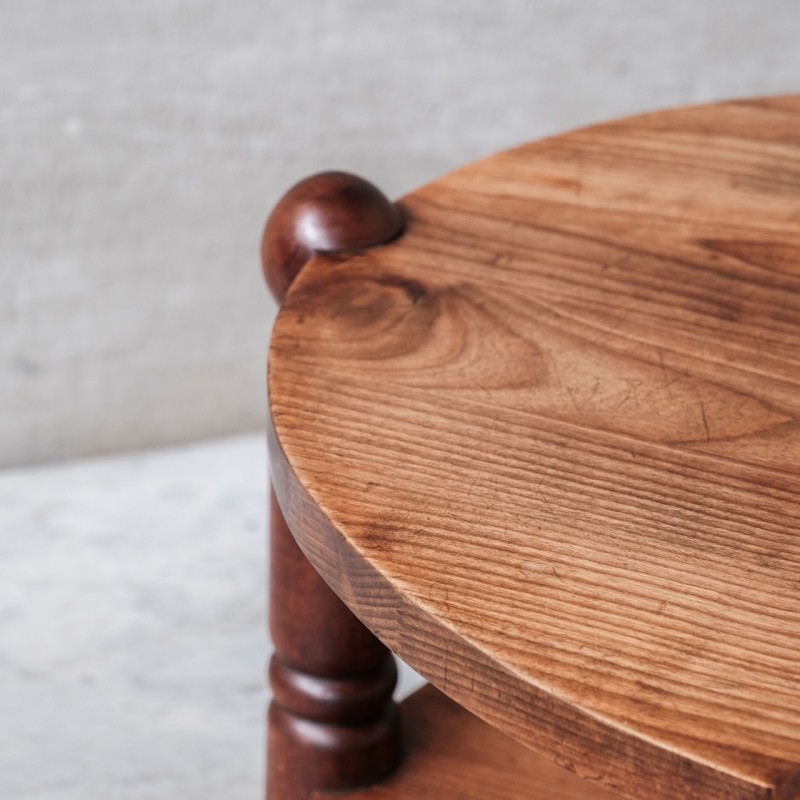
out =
column 328, row 212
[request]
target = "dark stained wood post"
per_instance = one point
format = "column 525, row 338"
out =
column 332, row 721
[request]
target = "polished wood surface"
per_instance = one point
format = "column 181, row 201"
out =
column 452, row 755
column 332, row 722
column 330, row 212
column 546, row 445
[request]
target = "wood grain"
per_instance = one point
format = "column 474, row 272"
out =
column 452, row 755
column 546, row 445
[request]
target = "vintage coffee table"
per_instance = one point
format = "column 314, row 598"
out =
column 538, row 426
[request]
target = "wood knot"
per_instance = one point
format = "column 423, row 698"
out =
column 359, row 312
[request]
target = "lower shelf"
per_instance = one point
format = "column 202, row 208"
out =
column 452, row 755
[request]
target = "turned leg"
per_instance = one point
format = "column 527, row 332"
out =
column 332, row 722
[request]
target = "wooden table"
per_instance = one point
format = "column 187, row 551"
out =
column 537, row 427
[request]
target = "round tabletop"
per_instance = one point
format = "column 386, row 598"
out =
column 546, row 444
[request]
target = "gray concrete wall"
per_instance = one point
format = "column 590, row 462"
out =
column 141, row 145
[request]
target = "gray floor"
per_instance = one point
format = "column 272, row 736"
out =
column 132, row 634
